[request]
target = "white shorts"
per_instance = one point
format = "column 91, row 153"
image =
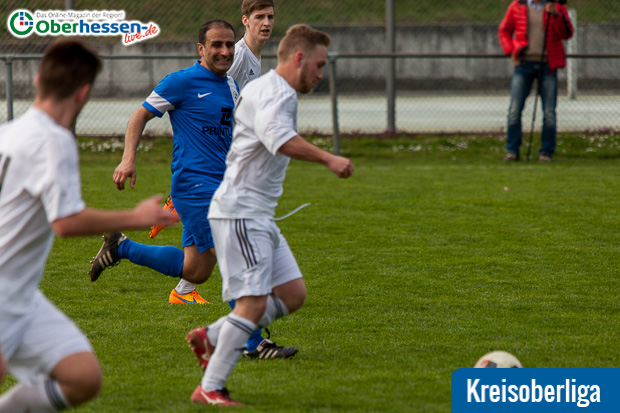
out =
column 35, row 343
column 253, row 257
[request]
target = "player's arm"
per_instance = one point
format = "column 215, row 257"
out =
column 92, row 221
column 127, row 167
column 298, row 148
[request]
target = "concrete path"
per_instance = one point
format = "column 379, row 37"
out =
column 417, row 114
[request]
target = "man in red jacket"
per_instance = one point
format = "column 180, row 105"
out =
column 526, row 27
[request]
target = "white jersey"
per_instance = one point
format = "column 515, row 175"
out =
column 40, row 182
column 246, row 67
column 265, row 119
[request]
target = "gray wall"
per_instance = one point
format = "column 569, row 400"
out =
column 136, row 78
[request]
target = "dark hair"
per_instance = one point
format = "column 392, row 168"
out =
column 67, row 65
column 211, row 24
column 301, row 37
column 249, row 6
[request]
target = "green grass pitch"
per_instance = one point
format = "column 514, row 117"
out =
column 432, row 254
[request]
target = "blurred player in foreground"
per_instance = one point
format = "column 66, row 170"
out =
column 258, row 268
column 41, row 195
column 200, row 101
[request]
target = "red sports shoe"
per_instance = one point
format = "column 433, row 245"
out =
column 168, row 206
column 219, row 397
column 200, row 345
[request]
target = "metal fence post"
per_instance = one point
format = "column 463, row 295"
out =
column 390, row 80
column 571, row 65
column 9, row 88
column 333, row 94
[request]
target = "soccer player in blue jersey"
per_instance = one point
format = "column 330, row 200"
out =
column 200, row 101
column 261, row 272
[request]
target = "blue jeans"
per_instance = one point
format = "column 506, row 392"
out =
column 522, row 79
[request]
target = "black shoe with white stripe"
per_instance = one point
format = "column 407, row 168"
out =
column 107, row 255
column 267, row 349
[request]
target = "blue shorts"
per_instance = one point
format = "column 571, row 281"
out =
column 196, row 229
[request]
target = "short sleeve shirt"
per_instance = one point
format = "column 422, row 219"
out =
column 40, row 183
column 200, row 105
column 265, row 119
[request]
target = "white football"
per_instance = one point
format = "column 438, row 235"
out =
column 498, row 359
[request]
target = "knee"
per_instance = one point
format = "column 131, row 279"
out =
column 85, row 386
column 196, row 272
column 90, row 385
column 80, row 379
column 296, row 300
column 196, row 275
column 514, row 115
column 549, row 116
column 251, row 307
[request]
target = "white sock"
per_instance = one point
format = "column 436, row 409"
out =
column 184, row 286
column 213, row 330
column 234, row 333
column 44, row 396
column 275, row 309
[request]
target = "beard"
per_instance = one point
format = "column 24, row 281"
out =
column 304, row 85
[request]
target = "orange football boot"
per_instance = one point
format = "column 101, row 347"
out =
column 168, row 206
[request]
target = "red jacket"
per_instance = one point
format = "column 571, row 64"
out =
column 513, row 32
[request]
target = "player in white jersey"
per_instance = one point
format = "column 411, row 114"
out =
column 257, row 18
column 257, row 266
column 40, row 194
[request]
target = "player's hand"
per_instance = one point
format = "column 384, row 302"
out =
column 550, row 8
column 516, row 59
column 342, row 167
column 124, row 170
column 150, row 212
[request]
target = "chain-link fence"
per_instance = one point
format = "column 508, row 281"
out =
column 450, row 72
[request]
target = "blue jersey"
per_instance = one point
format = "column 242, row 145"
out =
column 200, row 105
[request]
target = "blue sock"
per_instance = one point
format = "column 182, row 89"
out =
column 167, row 259
column 255, row 338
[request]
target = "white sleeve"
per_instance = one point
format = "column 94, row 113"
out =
column 275, row 121
column 62, row 193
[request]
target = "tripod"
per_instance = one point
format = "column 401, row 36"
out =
column 538, row 83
